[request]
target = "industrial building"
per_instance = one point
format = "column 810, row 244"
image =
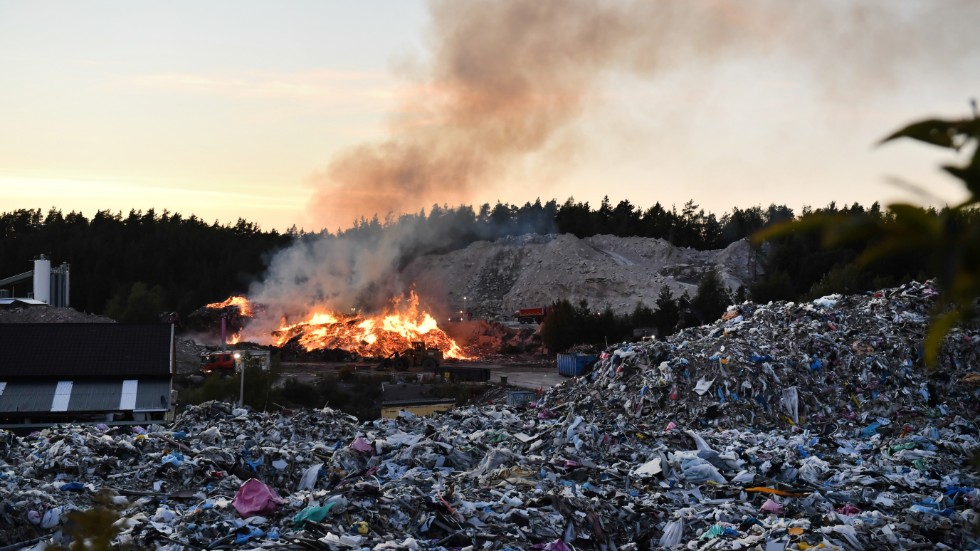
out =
column 85, row 372
column 50, row 286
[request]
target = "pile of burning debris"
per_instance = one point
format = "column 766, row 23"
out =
column 227, row 317
column 334, row 335
column 783, row 426
column 325, row 336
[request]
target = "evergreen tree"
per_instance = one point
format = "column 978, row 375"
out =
column 667, row 314
column 140, row 305
column 686, row 316
column 643, row 316
column 560, row 327
column 712, row 298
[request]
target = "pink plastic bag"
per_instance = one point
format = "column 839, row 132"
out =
column 362, row 445
column 255, row 498
column 771, row 506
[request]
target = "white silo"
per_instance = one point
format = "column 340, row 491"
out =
column 42, row 279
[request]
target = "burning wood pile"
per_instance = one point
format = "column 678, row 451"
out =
column 357, row 333
column 235, row 312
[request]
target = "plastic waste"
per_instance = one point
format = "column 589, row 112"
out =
column 255, row 498
column 309, row 478
column 791, row 403
column 699, row 471
column 772, row 507
column 673, row 534
column 313, row 513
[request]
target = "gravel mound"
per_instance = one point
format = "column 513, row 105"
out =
column 48, row 314
column 499, row 277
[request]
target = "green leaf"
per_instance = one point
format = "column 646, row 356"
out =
column 970, row 176
column 940, row 326
column 841, row 230
column 934, row 131
column 915, row 219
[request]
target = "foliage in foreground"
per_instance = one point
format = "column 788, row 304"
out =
column 947, row 243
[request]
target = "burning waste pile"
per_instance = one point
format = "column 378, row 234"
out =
column 377, row 335
column 784, row 426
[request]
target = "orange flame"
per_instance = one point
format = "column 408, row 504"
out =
column 376, row 336
column 242, row 303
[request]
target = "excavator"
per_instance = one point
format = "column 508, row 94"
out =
column 417, row 356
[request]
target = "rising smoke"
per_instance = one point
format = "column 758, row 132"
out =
column 508, row 79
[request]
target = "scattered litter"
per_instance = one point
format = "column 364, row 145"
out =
column 723, row 436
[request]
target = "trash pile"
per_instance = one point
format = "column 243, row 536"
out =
column 781, row 426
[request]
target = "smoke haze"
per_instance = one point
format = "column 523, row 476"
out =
column 508, row 79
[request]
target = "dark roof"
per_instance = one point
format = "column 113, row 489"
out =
column 37, row 396
column 398, row 394
column 79, row 350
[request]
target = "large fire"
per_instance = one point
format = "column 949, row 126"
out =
column 376, row 336
column 242, row 303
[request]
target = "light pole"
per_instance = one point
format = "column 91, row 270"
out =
column 241, row 372
column 465, row 315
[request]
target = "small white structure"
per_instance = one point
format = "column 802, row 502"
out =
column 42, row 280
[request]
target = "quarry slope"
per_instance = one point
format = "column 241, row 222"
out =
column 502, row 276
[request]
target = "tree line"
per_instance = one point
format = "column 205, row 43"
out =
column 137, row 266
column 567, row 325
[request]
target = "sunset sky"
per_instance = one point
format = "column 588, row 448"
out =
column 314, row 113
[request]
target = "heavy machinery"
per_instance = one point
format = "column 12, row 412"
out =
column 532, row 315
column 417, row 356
column 220, row 362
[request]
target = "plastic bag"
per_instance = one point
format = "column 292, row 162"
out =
column 697, row 471
column 813, row 470
column 771, row 506
column 791, row 402
column 673, row 533
column 255, row 498
column 312, row 513
column 309, row 477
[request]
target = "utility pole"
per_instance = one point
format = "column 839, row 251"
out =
column 241, row 371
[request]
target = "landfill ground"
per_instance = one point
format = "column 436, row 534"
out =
column 781, row 426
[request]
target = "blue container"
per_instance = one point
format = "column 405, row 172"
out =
column 520, row 397
column 573, row 365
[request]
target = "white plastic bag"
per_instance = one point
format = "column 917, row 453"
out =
column 673, row 533
column 309, row 477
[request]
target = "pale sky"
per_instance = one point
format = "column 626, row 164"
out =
column 270, row 111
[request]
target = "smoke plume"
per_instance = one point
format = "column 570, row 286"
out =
column 506, row 79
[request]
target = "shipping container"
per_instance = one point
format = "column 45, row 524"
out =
column 573, row 365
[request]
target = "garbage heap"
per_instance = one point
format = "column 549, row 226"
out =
column 782, row 426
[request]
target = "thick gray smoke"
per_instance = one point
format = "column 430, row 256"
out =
column 507, row 78
column 358, row 270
